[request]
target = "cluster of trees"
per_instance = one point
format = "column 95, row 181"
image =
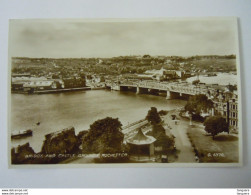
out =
column 153, row 116
column 158, row 131
column 198, row 104
column 213, row 124
column 104, row 136
column 231, row 88
column 162, row 140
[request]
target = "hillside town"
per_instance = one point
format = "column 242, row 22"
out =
column 43, row 73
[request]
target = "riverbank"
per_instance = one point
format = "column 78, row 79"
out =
column 52, row 91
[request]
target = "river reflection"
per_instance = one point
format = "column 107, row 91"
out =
column 78, row 109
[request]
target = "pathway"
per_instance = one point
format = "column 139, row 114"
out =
column 182, row 142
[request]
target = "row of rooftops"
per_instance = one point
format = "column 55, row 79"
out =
column 32, row 82
column 38, row 84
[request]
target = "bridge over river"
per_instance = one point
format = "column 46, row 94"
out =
column 171, row 89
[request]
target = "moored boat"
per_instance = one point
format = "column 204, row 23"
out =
column 21, row 133
column 211, row 74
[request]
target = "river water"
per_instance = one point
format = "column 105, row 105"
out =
column 78, row 109
column 221, row 79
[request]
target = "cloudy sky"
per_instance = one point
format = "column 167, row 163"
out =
column 82, row 38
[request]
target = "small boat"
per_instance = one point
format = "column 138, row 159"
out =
column 21, row 133
column 196, row 82
column 211, row 74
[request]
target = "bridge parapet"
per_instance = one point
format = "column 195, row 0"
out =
column 154, row 85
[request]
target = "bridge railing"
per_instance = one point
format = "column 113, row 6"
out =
column 173, row 87
column 179, row 88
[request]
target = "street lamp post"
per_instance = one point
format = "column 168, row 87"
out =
column 190, row 123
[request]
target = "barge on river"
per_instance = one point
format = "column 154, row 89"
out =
column 21, row 134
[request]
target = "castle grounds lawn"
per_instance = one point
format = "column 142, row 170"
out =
column 224, row 148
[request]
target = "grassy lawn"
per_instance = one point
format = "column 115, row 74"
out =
column 224, row 148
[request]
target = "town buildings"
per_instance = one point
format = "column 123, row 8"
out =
column 227, row 106
column 32, row 84
column 164, row 74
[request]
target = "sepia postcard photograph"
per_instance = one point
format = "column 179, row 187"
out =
column 124, row 92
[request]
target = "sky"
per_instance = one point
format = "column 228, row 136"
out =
column 64, row 38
